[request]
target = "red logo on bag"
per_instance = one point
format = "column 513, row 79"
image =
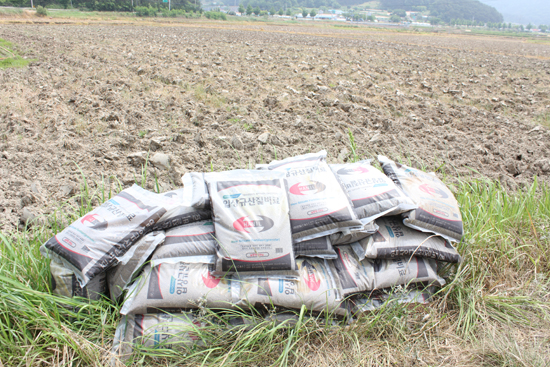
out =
column 433, row 191
column 244, row 223
column 312, row 187
column 310, row 278
column 94, row 221
column 210, row 281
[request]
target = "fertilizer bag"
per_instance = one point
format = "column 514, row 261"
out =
column 251, row 222
column 378, row 299
column 316, row 288
column 354, row 275
column 120, row 276
column 318, row 247
column 438, row 210
column 196, row 190
column 372, row 193
column 393, row 239
column 318, row 204
column 195, row 239
column 64, row 283
column 351, row 235
column 179, row 210
column 404, row 271
column 160, row 331
column 172, row 285
column 95, row 242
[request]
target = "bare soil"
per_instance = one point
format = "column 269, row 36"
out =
column 101, row 97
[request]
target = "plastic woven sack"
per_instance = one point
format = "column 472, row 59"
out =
column 318, row 247
column 159, row 331
column 64, row 283
column 438, row 210
column 371, row 302
column 316, row 288
column 251, row 222
column 196, row 190
column 318, row 204
column 179, row 211
column 120, row 276
column 405, row 271
column 172, row 285
column 189, row 240
column 349, row 236
column 354, row 275
column 95, row 242
column 372, row 193
column 393, row 239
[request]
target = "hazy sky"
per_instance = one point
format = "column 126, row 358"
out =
column 523, row 11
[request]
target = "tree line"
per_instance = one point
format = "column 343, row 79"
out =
column 108, row 5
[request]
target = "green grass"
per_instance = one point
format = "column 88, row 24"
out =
column 9, row 58
column 494, row 310
column 10, row 11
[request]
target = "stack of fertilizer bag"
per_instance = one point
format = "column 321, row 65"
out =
column 338, row 239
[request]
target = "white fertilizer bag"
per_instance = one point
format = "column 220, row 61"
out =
column 350, row 235
column 438, row 210
column 316, row 288
column 405, row 271
column 372, row 193
column 318, row 247
column 393, row 239
column 354, row 275
column 396, row 296
column 318, row 204
column 95, row 242
column 179, row 211
column 193, row 239
column 196, row 190
column 251, row 222
column 172, row 285
column 64, row 283
column 160, row 331
column 120, row 276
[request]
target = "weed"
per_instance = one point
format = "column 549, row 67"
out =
column 9, row 57
column 142, row 133
column 247, row 127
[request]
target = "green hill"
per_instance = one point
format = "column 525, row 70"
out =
column 449, row 9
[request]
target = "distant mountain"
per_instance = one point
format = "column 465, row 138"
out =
column 524, row 11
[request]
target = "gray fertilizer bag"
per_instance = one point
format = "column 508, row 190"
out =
column 251, row 221
column 172, row 285
column 438, row 210
column 316, row 288
column 95, row 242
column 179, row 211
column 393, row 239
column 318, row 247
column 354, row 275
column 351, row 235
column 404, row 271
column 378, row 299
column 64, row 283
column 193, row 239
column 159, row 331
column 372, row 193
column 120, row 276
column 318, row 204
column 196, row 190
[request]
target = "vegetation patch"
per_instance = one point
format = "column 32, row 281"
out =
column 9, row 57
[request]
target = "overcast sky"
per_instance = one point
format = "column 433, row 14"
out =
column 523, row 11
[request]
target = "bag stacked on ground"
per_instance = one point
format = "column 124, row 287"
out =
column 292, row 233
